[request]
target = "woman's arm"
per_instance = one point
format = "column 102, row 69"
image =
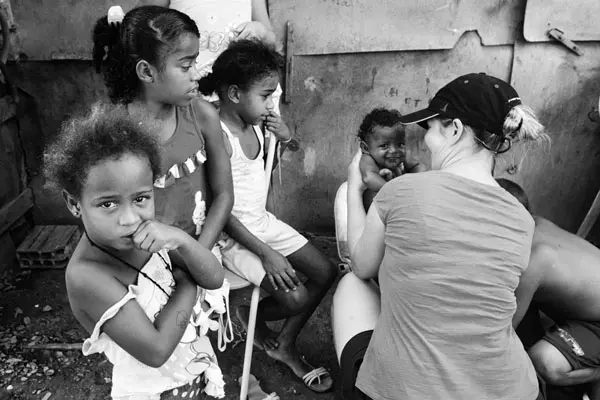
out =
column 219, row 175
column 365, row 232
column 94, row 291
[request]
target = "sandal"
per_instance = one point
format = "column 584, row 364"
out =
column 317, row 373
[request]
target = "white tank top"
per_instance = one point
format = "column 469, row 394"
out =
column 249, row 181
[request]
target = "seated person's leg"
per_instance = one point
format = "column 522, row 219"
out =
column 355, row 308
column 569, row 354
column 246, row 264
column 354, row 312
column 296, row 306
column 321, row 274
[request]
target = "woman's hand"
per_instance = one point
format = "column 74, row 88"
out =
column 251, row 30
column 355, row 181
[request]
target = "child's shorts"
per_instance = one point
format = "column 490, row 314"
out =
column 578, row 341
column 277, row 234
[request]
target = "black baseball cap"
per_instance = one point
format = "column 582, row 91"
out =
column 478, row 100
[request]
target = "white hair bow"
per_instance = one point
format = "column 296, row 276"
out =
column 115, row 15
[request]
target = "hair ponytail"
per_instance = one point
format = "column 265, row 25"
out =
column 105, row 37
column 146, row 33
column 521, row 124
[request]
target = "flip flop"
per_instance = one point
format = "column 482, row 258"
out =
column 317, row 373
column 245, row 325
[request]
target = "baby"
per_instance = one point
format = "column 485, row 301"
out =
column 382, row 141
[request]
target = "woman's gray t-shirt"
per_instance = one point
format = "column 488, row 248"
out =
column 454, row 252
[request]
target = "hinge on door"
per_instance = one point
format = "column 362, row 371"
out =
column 559, row 35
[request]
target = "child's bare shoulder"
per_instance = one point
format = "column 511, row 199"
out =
column 85, row 275
column 204, row 110
column 368, row 164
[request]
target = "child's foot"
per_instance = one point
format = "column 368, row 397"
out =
column 264, row 338
column 317, row 379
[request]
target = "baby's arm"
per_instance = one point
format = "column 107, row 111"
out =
column 94, row 291
column 218, row 173
column 370, row 173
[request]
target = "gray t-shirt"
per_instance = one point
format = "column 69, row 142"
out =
column 454, row 252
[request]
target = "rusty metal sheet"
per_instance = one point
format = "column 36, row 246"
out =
column 59, row 30
column 578, row 19
column 561, row 179
column 347, row 26
column 331, row 95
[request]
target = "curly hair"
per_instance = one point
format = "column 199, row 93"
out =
column 378, row 117
column 243, row 63
column 107, row 132
column 147, row 33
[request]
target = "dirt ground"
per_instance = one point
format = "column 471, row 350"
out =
column 34, row 311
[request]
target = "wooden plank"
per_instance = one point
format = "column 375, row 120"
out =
column 15, row 209
column 26, row 243
column 352, row 26
column 578, row 19
column 289, row 64
column 7, row 252
column 37, row 245
column 12, row 164
column 8, row 109
column 59, row 238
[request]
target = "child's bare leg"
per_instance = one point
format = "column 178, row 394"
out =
column 321, row 274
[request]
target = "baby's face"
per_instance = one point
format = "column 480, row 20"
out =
column 386, row 146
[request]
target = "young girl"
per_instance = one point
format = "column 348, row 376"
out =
column 266, row 251
column 221, row 22
column 105, row 163
column 382, row 142
column 148, row 61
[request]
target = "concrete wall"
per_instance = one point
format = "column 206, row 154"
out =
column 329, row 94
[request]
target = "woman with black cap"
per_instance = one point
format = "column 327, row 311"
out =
column 449, row 247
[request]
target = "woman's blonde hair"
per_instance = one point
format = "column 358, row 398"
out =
column 521, row 124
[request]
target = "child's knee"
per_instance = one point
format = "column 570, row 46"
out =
column 295, row 301
column 328, row 273
column 549, row 362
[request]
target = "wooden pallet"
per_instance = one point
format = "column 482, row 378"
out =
column 48, row 246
